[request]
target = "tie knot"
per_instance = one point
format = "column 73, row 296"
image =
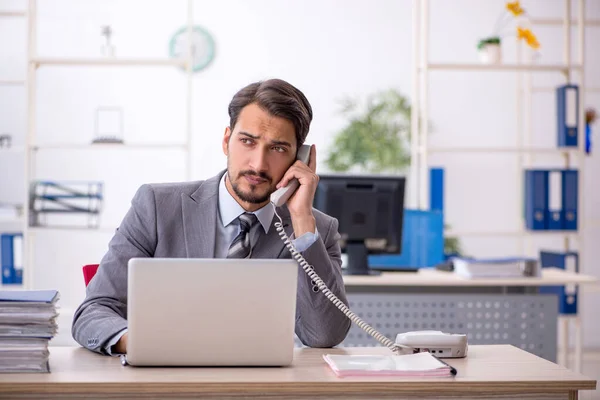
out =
column 246, row 221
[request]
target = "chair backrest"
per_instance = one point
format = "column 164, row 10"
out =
column 88, row 272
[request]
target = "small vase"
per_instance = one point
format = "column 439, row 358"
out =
column 490, row 53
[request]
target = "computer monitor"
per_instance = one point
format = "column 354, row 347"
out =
column 370, row 211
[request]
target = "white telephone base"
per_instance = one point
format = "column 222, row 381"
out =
column 438, row 343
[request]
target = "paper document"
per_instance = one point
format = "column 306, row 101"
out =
column 495, row 268
column 410, row 365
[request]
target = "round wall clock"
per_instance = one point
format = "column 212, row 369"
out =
column 203, row 47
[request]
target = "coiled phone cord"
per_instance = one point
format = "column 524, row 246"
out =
column 396, row 348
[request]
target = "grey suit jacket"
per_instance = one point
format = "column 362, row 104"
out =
column 179, row 220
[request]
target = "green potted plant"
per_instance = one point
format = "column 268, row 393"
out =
column 489, row 50
column 376, row 140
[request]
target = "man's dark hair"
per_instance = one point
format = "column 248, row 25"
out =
column 279, row 99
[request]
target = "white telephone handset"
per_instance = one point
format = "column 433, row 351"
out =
column 281, row 195
column 405, row 343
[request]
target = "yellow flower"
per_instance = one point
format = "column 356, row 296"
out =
column 515, row 8
column 529, row 37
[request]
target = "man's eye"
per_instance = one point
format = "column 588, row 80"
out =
column 246, row 141
column 279, row 149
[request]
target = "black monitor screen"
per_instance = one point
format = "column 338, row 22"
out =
column 370, row 211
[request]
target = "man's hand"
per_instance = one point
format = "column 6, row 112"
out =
column 300, row 204
column 121, row 346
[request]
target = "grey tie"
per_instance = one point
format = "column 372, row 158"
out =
column 240, row 247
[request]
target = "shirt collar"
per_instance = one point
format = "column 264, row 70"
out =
column 229, row 208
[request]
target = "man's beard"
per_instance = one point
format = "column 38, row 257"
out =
column 251, row 197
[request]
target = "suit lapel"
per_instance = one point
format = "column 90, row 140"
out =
column 270, row 245
column 199, row 212
column 200, row 219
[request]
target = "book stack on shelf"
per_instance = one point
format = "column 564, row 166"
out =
column 27, row 324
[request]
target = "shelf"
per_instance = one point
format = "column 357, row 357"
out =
column 11, row 224
column 12, row 149
column 453, row 233
column 540, row 89
column 13, row 13
column 11, row 287
column 501, row 67
column 109, row 146
column 561, row 22
column 11, row 82
column 502, row 150
column 149, row 62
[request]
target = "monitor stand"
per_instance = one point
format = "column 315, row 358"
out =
column 358, row 261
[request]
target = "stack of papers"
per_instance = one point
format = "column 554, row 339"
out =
column 410, row 365
column 495, row 268
column 27, row 324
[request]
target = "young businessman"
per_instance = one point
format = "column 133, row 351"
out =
column 229, row 215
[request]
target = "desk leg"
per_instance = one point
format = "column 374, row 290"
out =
column 563, row 324
column 573, row 395
column 578, row 345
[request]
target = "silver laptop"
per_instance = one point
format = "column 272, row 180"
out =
column 211, row 312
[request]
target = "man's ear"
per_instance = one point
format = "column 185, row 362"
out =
column 226, row 138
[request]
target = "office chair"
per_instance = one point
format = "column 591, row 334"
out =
column 88, row 272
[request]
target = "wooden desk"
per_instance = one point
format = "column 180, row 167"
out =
column 488, row 372
column 433, row 281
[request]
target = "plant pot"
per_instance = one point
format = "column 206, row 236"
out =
column 490, row 53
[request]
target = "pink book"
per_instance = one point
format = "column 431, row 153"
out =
column 411, row 365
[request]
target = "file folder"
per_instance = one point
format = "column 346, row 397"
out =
column 18, row 259
column 536, row 199
column 568, row 294
column 570, row 185
column 555, row 214
column 11, row 256
column 8, row 270
column 436, row 189
column 567, row 112
column 30, row 296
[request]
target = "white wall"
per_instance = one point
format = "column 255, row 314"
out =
column 329, row 49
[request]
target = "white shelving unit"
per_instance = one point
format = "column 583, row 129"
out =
column 104, row 62
column 420, row 149
column 13, row 14
column 499, row 67
column 5, row 223
column 526, row 150
column 109, row 146
column 33, row 147
column 14, row 82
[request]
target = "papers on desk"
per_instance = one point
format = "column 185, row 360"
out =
column 410, row 365
column 495, row 268
column 27, row 324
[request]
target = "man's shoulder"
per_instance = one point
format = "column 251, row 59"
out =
column 188, row 188
column 174, row 188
